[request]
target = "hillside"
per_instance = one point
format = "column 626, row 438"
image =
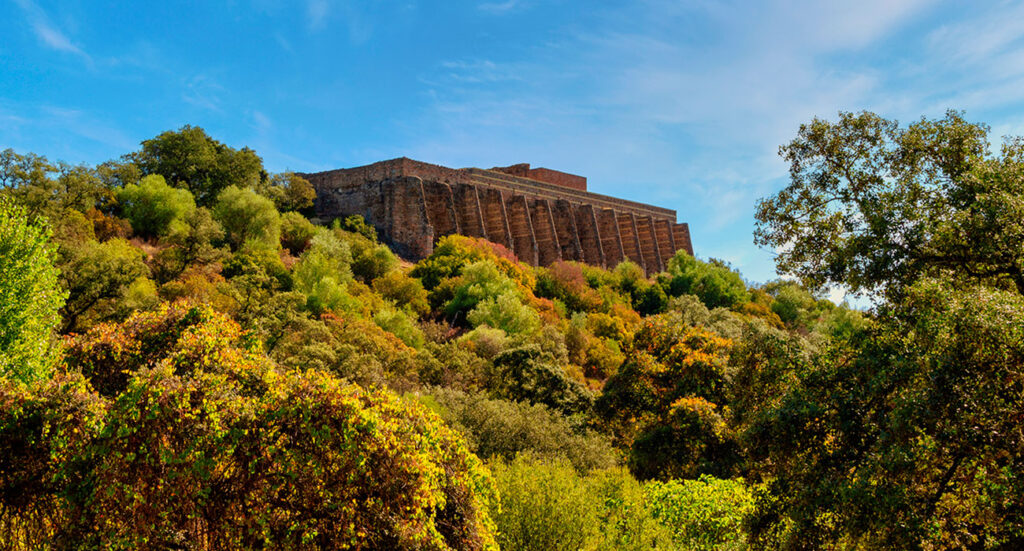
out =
column 191, row 360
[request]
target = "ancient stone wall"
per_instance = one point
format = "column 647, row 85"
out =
column 412, row 204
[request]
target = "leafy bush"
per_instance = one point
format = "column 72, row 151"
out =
column 247, row 216
column 45, row 429
column 498, row 428
column 705, row 514
column 155, row 208
column 714, row 282
column 507, row 313
column 398, row 323
column 181, row 336
column 296, row 232
column 407, row 292
column 526, row 374
column 30, row 296
column 308, row 462
column 547, row 505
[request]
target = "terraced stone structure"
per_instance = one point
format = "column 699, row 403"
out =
column 540, row 214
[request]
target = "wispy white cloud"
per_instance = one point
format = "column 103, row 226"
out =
column 202, row 91
column 47, row 32
column 499, row 8
column 686, row 101
column 317, row 12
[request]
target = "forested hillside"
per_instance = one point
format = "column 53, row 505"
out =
column 189, row 360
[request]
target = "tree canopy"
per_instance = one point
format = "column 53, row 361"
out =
column 874, row 206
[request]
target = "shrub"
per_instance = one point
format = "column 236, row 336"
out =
column 526, row 374
column 373, row 261
column 247, row 216
column 182, row 336
column 498, row 428
column 405, row 291
column 478, row 282
column 30, row 296
column 155, row 208
column 714, row 282
column 44, row 429
column 398, row 323
column 296, row 232
column 507, row 313
column 547, row 505
column 705, row 514
column 309, row 462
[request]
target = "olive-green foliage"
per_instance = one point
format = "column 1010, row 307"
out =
column 323, row 273
column 451, row 365
column 714, row 282
column 289, row 192
column 549, row 506
column 47, row 189
column 205, row 440
column 527, row 374
column 30, row 295
column 98, row 276
column 190, row 158
column 155, row 208
column 667, row 402
column 357, row 224
column 194, row 245
column 505, row 312
column 370, row 260
column 874, row 206
column 496, row 428
column 309, row 462
column 478, row 282
column 705, row 514
column 406, row 292
column 247, row 216
column 399, row 324
column 296, row 232
column 908, row 439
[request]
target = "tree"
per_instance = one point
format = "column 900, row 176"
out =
column 713, row 282
column 189, row 158
column 290, row 192
column 48, row 189
column 908, row 439
column 874, row 206
column 30, row 295
column 246, row 215
column 97, row 276
column 667, row 402
column 155, row 208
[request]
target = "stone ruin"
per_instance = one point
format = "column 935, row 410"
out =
column 541, row 215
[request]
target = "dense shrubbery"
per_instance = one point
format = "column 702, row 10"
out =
column 605, row 400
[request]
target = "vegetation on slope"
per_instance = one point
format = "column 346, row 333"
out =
column 190, row 361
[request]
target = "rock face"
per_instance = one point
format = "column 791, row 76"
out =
column 542, row 215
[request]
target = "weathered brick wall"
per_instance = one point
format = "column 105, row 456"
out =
column 412, row 204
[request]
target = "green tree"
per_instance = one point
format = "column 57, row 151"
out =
column 48, row 189
column 875, row 206
column 296, row 232
column 155, row 208
column 30, row 295
column 290, row 192
column 909, row 439
column 97, row 276
column 247, row 216
column 713, row 282
column 189, row 158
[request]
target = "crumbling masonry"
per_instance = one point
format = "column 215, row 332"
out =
column 540, row 214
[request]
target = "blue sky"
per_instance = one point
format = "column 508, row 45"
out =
column 679, row 104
